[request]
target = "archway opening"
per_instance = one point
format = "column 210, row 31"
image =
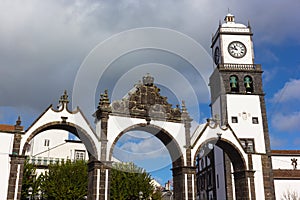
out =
column 146, row 151
column 64, row 130
column 221, row 171
column 167, row 149
column 57, row 144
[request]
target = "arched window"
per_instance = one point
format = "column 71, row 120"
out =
column 234, row 83
column 248, row 83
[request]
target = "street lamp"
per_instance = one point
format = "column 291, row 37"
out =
column 141, row 195
column 29, row 192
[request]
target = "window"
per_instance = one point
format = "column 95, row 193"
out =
column 46, row 142
column 254, row 120
column 248, row 145
column 79, row 155
column 209, row 179
column 234, row 119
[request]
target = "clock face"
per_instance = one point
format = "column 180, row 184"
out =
column 217, row 55
column 237, row 49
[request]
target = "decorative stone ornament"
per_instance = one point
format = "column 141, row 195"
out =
column 145, row 101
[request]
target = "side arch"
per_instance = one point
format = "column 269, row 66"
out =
column 229, row 148
column 241, row 174
column 81, row 133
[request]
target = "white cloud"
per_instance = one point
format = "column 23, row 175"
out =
column 289, row 92
column 286, row 122
column 147, row 152
column 269, row 75
column 141, row 148
column 44, row 42
column 277, row 143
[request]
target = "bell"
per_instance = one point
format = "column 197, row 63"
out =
column 247, row 82
column 233, row 82
column 247, row 85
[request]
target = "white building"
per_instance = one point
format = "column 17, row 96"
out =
column 6, row 147
column 54, row 146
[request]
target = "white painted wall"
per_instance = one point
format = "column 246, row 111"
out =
column 58, row 148
column 216, row 109
column 258, row 177
column 283, row 186
column 284, row 162
column 6, row 144
column 220, row 173
column 249, row 104
column 37, row 144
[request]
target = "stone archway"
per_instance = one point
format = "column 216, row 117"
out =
column 50, row 119
column 233, row 160
column 172, row 146
column 70, row 127
column 145, row 109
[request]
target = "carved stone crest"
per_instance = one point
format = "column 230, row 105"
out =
column 145, row 101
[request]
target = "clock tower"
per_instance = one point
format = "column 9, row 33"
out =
column 237, row 96
column 232, row 43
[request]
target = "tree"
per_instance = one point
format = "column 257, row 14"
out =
column 157, row 195
column 127, row 180
column 290, row 195
column 67, row 180
column 29, row 180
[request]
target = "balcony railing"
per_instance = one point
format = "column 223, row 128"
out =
column 230, row 66
column 45, row 161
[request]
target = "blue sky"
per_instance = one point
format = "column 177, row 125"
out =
column 43, row 45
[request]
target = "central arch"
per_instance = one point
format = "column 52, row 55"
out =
column 169, row 142
column 144, row 109
column 166, row 138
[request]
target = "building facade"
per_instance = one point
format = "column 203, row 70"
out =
column 237, row 103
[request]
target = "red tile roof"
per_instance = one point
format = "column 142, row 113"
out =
column 6, row 127
column 285, row 152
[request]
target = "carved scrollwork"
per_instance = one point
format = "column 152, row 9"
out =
column 145, row 101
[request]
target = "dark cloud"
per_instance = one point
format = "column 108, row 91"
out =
column 43, row 43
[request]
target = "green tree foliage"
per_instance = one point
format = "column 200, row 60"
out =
column 29, row 180
column 127, row 180
column 157, row 195
column 67, row 180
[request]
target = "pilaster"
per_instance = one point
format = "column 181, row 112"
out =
column 99, row 180
column 251, row 177
column 182, row 182
column 16, row 165
column 241, row 185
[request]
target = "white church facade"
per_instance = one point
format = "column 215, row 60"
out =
column 229, row 157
